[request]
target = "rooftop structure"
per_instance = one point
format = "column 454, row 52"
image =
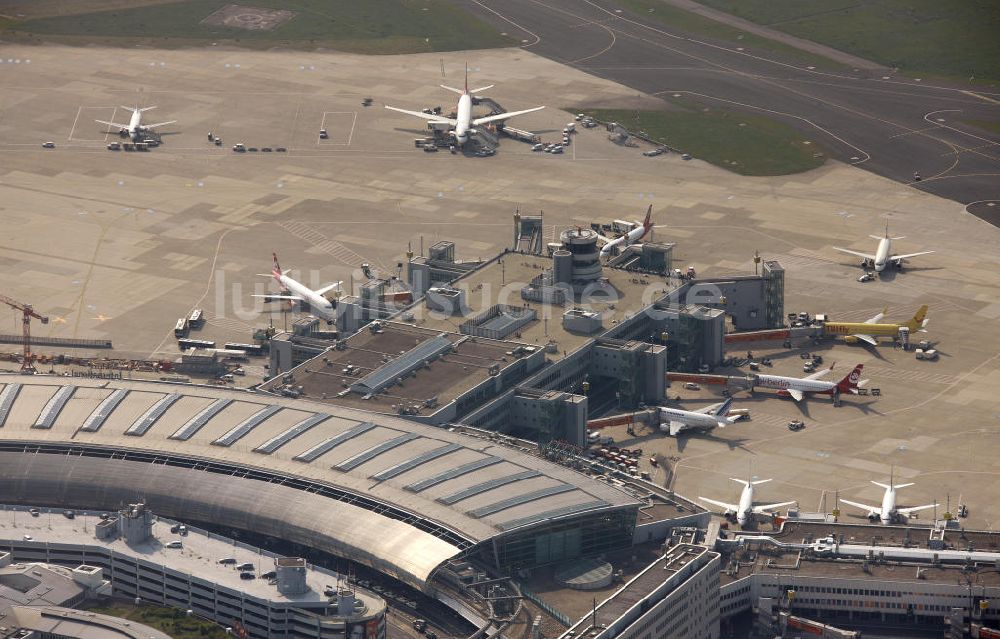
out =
column 615, row 294
column 675, row 596
column 896, row 573
column 308, row 472
column 395, row 368
column 191, row 569
column 38, row 598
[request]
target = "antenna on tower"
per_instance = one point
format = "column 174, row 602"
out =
column 756, row 261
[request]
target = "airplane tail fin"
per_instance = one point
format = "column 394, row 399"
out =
column 850, row 382
column 276, row 268
column 648, row 222
column 466, row 77
column 919, row 320
column 722, row 411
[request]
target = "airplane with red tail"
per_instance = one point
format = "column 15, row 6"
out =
column 798, row 387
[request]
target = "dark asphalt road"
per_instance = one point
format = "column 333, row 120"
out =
column 892, row 126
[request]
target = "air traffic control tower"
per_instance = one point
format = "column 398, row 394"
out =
column 578, row 262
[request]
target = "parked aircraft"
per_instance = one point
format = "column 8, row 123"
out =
column 135, row 126
column 797, row 387
column 868, row 330
column 640, row 231
column 297, row 292
column 745, row 509
column 676, row 421
column 888, row 513
column 463, row 124
column 883, row 254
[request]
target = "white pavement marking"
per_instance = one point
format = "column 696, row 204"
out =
column 833, row 135
column 336, row 249
column 505, row 18
column 78, row 109
column 350, row 135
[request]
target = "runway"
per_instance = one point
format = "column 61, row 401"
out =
column 890, row 125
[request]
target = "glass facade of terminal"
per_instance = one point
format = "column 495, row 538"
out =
column 565, row 539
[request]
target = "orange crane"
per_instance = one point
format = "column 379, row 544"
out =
column 27, row 313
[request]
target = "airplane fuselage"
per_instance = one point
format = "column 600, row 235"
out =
column 317, row 303
column 888, row 506
column 135, row 123
column 463, row 119
column 746, row 505
column 628, row 239
column 793, row 383
column 689, row 418
column 849, row 328
column 882, row 254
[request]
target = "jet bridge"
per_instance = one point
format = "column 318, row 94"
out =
column 505, row 129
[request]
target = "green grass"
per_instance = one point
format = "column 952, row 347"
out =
column 361, row 26
column 987, row 125
column 948, row 38
column 744, row 144
column 695, row 24
column 168, row 620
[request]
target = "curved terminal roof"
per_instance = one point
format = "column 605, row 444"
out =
column 394, row 494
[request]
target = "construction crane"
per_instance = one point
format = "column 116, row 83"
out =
column 27, row 313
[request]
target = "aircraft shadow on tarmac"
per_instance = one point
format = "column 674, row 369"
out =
column 890, row 274
column 864, row 407
column 733, row 444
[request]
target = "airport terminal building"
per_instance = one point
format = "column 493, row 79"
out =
column 311, row 473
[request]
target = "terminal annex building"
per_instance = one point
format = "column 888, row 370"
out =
column 400, row 497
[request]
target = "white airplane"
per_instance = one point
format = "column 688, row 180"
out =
column 135, row 125
column 745, row 510
column 675, row 420
column 797, row 387
column 629, row 238
column 298, row 292
column 889, row 512
column 883, row 254
column 464, row 122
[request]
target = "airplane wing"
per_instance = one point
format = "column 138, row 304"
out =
column 820, row 374
column 908, row 255
column 676, row 427
column 327, row 289
column 907, row 512
column 721, row 504
column 114, row 124
column 877, row 318
column 866, row 338
column 709, row 410
column 871, row 509
column 153, row 126
column 867, row 256
column 763, row 508
column 796, row 394
column 420, row 114
column 503, row 116
column 281, row 297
